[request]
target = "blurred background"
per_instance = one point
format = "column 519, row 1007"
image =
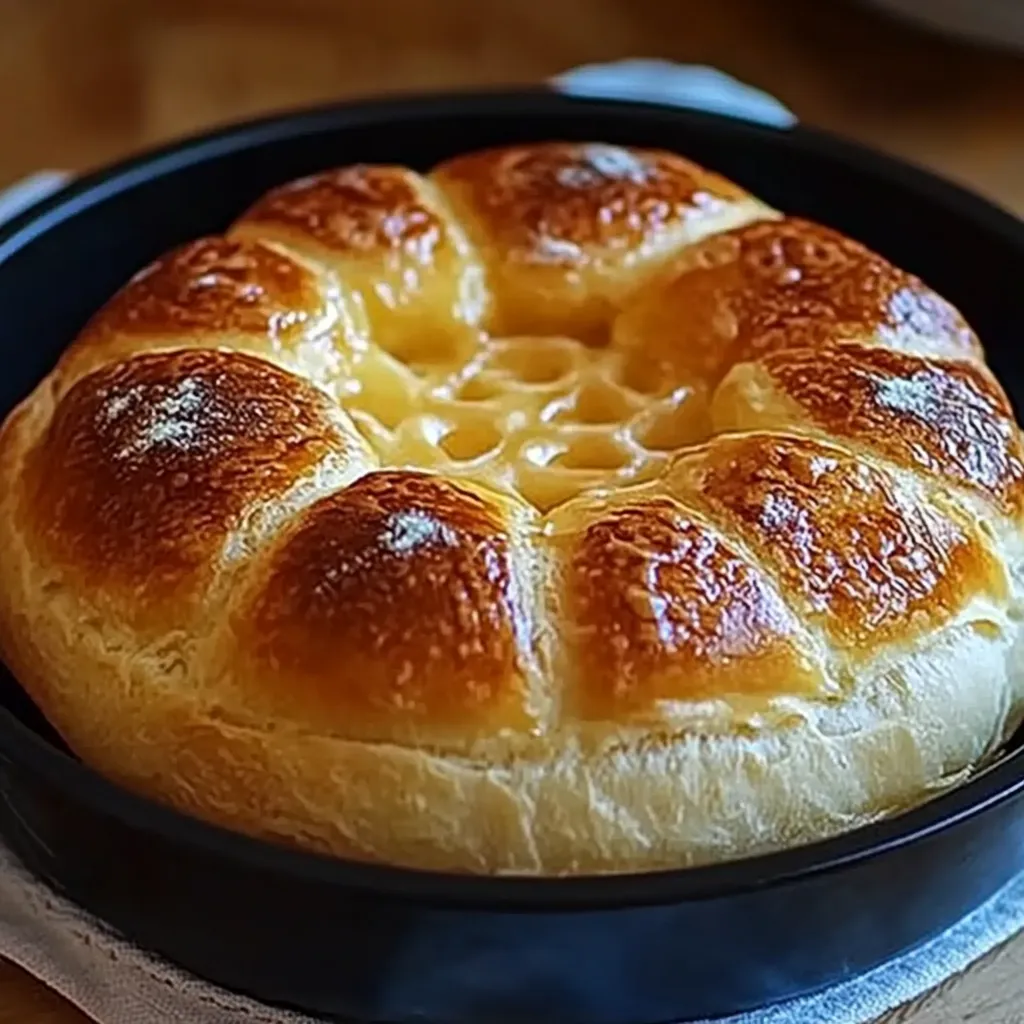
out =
column 86, row 81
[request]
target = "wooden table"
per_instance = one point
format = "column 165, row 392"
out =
column 85, row 82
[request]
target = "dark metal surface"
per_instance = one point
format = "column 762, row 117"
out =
column 384, row 945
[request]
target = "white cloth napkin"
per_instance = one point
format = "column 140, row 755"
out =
column 115, row 983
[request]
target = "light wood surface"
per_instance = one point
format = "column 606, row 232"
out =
column 86, row 81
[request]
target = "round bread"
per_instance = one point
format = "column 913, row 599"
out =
column 565, row 509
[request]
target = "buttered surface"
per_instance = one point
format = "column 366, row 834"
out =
column 547, row 417
column 476, row 305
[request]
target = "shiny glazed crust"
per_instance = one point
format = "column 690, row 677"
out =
column 565, row 509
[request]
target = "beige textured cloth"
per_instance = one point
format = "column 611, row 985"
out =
column 104, row 976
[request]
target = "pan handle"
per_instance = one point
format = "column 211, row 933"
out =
column 683, row 85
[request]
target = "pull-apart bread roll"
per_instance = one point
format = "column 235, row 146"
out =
column 565, row 509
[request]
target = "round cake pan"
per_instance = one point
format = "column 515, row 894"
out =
column 350, row 942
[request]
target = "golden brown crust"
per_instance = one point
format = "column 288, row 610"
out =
column 660, row 608
column 868, row 560
column 950, row 420
column 403, row 263
column 149, row 464
column 789, row 283
column 388, row 611
column 566, row 227
column 208, row 293
column 217, row 285
column 293, row 545
column 358, row 210
column 545, row 203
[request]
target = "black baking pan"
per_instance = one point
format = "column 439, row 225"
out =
column 353, row 942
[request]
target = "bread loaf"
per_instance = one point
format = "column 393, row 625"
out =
column 565, row 509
